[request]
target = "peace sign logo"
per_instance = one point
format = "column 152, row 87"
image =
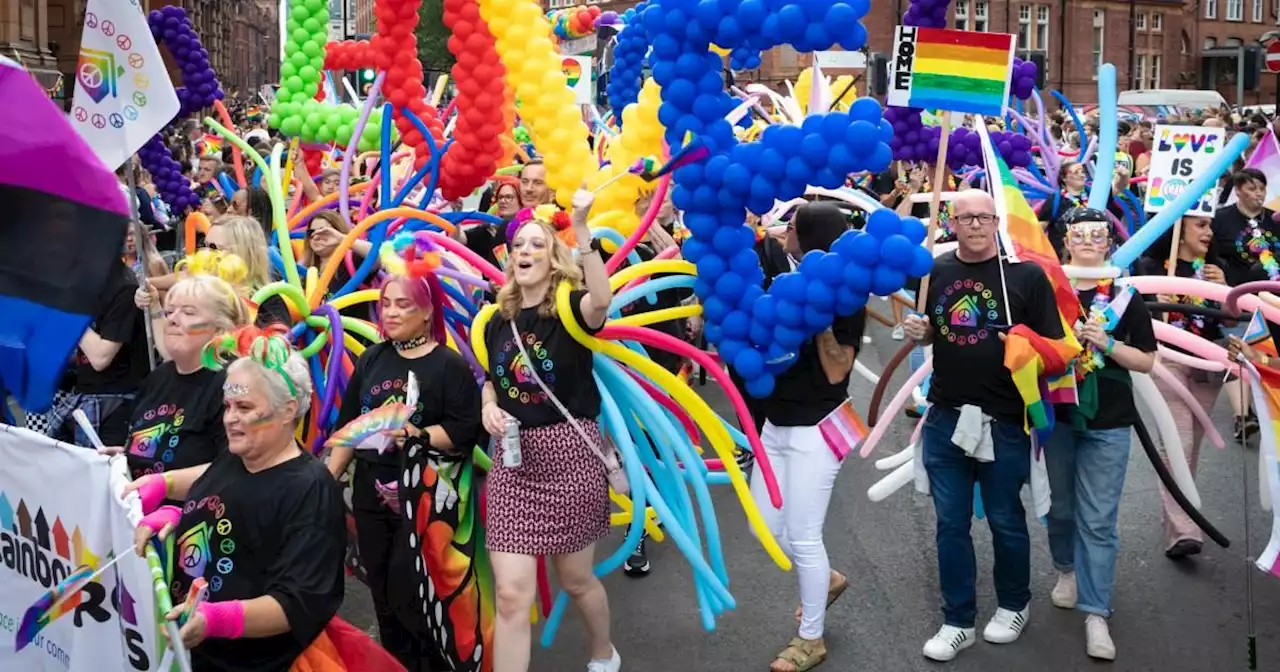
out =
column 81, row 114
column 124, row 44
column 108, row 28
column 117, row 121
column 140, row 98
column 135, row 59
column 141, row 81
column 90, row 20
column 99, row 121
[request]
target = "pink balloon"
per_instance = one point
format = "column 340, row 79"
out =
column 1204, row 349
column 1161, row 284
column 1189, row 399
column 894, row 406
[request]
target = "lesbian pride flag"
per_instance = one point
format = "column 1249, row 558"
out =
column 843, row 429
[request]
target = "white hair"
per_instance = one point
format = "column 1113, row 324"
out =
column 277, row 390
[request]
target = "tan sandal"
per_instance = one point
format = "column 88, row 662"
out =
column 802, row 654
column 833, row 593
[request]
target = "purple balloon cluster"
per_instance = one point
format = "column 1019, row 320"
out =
column 1024, row 79
column 912, row 140
column 927, row 13
column 965, row 148
column 200, row 86
column 166, row 173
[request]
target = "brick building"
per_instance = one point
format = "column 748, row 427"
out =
column 243, row 39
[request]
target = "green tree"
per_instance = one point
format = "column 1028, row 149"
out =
column 433, row 38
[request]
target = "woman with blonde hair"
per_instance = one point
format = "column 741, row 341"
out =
column 548, row 493
column 177, row 417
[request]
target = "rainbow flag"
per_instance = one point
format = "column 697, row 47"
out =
column 956, row 70
column 1031, row 357
column 843, row 429
column 1264, row 382
column 1023, row 239
column 58, row 602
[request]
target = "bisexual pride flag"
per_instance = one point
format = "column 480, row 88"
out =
column 61, row 232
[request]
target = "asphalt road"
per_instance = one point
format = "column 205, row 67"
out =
column 1169, row 616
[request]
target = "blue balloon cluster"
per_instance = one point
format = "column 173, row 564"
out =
column 755, row 331
column 744, row 59
column 628, row 62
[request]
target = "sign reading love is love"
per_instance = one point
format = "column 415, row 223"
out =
column 1181, row 154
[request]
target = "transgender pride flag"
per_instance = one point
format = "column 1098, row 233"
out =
column 1266, row 158
column 1265, row 385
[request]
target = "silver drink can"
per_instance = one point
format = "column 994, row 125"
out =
column 511, row 444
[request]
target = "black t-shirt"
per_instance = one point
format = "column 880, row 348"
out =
column 1232, row 231
column 177, row 421
column 484, row 238
column 562, row 363
column 118, row 320
column 884, row 184
column 447, row 396
column 279, row 532
column 670, row 298
column 966, row 311
column 1206, row 327
column 1115, row 394
column 802, row 395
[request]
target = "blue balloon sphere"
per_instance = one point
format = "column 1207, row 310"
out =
column 742, row 262
column 882, row 223
column 885, row 281
column 921, row 263
column 879, row 160
column 761, row 334
column 816, row 318
column 814, row 150
column 760, row 387
column 866, row 250
column 729, row 287
column 914, row 229
column 789, row 287
column 729, row 348
column 788, row 337
column 788, row 313
column 751, row 14
column 820, row 295
column 711, row 267
column 737, row 324
column 765, row 309
column 714, row 309
column 865, row 109
column 830, row 269
column 791, row 24
column 897, row 252
column 749, row 364
column 713, row 333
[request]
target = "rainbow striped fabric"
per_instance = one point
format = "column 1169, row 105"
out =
column 1031, row 357
column 1265, row 385
column 956, row 70
column 843, row 429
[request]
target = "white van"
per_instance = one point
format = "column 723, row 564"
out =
column 1186, row 99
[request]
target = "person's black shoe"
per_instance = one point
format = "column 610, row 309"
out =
column 912, row 412
column 1184, row 548
column 1246, row 426
column 638, row 564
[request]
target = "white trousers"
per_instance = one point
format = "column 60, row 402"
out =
column 806, row 471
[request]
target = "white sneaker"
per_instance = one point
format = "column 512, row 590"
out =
column 613, row 664
column 1064, row 593
column 949, row 642
column 899, row 332
column 1097, row 638
column 1006, row 626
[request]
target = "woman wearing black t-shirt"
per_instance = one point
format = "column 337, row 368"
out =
column 177, row 417
column 439, row 435
column 551, row 497
column 1088, row 453
column 1182, row 536
column 815, row 385
column 262, row 524
column 325, row 233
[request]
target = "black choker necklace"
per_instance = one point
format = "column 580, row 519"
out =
column 409, row 344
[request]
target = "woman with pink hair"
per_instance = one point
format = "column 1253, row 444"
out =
column 442, row 426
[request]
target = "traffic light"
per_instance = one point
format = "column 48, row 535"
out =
column 364, row 80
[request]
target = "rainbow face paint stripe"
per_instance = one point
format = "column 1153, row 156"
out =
column 956, row 70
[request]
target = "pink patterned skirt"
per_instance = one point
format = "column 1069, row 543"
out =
column 556, row 502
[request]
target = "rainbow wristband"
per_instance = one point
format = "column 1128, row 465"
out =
column 1111, row 345
column 223, row 620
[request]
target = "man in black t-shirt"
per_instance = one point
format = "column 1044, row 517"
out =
column 1240, row 231
column 974, row 298
column 110, row 365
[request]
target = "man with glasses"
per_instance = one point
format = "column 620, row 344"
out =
column 974, row 430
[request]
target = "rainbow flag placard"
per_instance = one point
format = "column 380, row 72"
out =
column 843, row 429
column 956, row 70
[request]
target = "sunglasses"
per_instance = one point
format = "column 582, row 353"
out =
column 1093, row 237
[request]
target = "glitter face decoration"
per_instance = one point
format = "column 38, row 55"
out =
column 1094, row 233
column 234, row 390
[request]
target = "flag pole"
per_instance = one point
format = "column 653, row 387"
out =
column 140, row 249
column 935, row 204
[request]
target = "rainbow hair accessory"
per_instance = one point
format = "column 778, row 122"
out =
column 268, row 347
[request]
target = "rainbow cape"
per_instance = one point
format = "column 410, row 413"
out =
column 1264, row 382
column 1023, row 239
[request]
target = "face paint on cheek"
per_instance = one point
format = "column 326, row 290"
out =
column 260, row 422
column 201, row 328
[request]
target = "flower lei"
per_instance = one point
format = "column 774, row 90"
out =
column 1093, row 358
column 1179, row 320
column 1262, row 250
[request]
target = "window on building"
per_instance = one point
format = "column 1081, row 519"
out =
column 1235, row 10
column 1157, row 22
column 1184, row 44
column 1024, row 26
column 1142, row 21
column 1257, row 11
column 1099, row 33
column 962, row 14
column 980, row 16
column 1154, row 72
column 1042, row 28
column 1210, row 9
column 1140, row 63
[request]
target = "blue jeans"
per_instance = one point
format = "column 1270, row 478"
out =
column 1086, row 473
column 952, row 474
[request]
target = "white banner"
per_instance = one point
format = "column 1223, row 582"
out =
column 1180, row 154
column 58, row 511
column 123, row 93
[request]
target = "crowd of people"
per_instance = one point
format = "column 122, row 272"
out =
column 215, row 419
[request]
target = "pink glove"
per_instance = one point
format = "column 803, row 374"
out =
column 389, row 493
column 223, row 620
column 158, row 519
column 152, row 488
